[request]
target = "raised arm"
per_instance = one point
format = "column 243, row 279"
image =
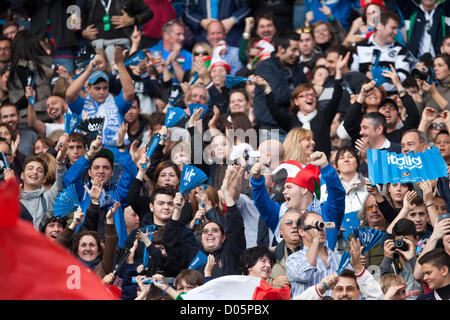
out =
column 268, row 209
column 33, row 122
column 75, row 87
column 125, row 78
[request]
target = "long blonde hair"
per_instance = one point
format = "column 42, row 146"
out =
column 292, row 146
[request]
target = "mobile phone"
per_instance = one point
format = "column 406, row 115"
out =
column 443, row 216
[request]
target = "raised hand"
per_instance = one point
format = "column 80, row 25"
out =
column 122, row 21
column 318, row 159
column 143, row 237
column 96, row 190
column 407, row 200
column 112, row 212
column 209, row 265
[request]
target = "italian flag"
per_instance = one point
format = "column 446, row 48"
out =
column 236, row 288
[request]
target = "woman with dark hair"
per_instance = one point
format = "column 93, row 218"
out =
column 354, row 183
column 325, row 33
column 16, row 158
column 390, row 204
column 29, row 57
column 87, row 246
column 257, row 262
column 438, row 93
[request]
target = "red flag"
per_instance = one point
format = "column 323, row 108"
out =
column 33, row 267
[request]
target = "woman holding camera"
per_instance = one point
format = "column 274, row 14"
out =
column 438, row 95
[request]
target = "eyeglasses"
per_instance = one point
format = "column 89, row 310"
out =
column 203, row 53
column 306, row 95
column 5, row 48
column 437, row 126
column 303, row 30
column 213, row 230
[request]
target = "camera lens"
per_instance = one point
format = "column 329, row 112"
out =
column 401, row 245
column 320, row 225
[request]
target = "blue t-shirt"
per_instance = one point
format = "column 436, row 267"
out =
column 184, row 59
column 113, row 109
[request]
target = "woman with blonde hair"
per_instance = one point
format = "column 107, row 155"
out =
column 299, row 145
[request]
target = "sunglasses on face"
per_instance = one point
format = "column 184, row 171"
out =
column 203, row 53
column 437, row 126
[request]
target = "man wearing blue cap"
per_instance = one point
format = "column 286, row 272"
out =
column 99, row 102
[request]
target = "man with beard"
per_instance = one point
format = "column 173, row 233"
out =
column 9, row 113
column 56, row 108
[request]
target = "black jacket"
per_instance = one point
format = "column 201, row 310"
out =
column 55, row 11
column 320, row 125
column 227, row 257
column 135, row 8
column 282, row 86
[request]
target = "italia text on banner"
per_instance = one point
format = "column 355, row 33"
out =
column 390, row 167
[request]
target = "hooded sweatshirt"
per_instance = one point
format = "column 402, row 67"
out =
column 41, row 200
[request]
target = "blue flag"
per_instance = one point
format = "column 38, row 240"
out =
column 390, row 167
column 349, row 223
column 199, row 261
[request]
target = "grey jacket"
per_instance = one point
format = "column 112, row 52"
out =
column 413, row 288
column 40, row 201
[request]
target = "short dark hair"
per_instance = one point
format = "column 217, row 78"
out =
column 83, row 233
column 437, row 258
column 36, row 159
column 345, row 149
column 77, row 137
column 441, row 132
column 8, row 103
column 386, row 15
column 268, row 15
column 404, row 227
column 346, row 273
column 169, row 190
column 340, row 50
column 283, row 38
column 376, row 119
column 9, row 24
column 251, row 256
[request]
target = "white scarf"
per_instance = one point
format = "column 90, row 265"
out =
column 110, row 111
column 306, row 119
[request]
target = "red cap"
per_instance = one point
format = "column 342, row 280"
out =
column 308, row 178
column 365, row 3
column 221, row 64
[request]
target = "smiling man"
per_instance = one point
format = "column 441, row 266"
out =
column 383, row 42
column 99, row 164
column 56, row 108
column 283, row 73
column 435, row 267
column 34, row 196
column 301, row 194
